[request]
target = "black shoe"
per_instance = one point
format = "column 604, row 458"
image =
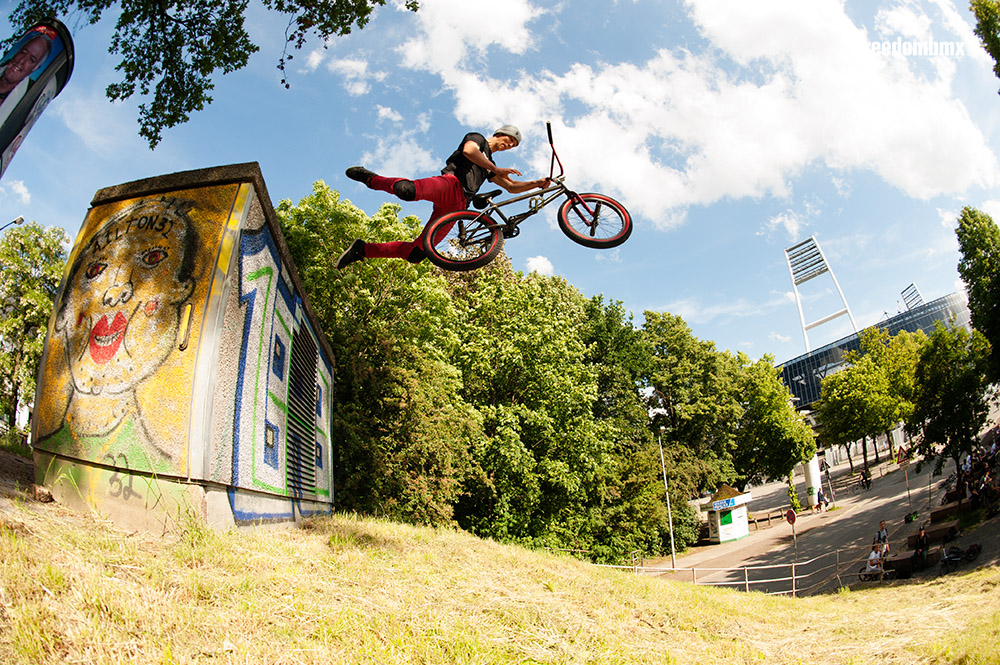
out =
column 416, row 255
column 356, row 252
column 361, row 174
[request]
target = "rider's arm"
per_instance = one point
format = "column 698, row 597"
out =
column 475, row 155
column 518, row 186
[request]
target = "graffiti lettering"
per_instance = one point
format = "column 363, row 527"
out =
column 118, row 230
column 117, row 488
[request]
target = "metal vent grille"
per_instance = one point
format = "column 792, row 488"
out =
column 301, row 466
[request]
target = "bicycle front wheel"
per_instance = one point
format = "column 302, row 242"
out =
column 595, row 220
column 463, row 240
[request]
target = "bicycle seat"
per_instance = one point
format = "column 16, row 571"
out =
column 482, row 200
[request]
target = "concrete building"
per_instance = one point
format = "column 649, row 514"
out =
column 804, row 373
column 184, row 372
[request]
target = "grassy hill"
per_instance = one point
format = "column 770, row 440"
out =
column 74, row 588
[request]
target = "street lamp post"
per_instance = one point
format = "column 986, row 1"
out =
column 670, row 516
column 19, row 220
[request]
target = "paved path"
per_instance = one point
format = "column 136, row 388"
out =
column 841, row 538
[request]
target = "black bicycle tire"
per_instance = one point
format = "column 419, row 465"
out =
column 620, row 231
column 488, row 234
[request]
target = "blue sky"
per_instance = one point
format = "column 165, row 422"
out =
column 731, row 130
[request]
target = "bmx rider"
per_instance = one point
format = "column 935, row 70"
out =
column 464, row 173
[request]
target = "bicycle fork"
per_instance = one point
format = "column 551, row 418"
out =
column 594, row 214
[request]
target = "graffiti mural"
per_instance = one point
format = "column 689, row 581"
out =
column 120, row 357
column 281, row 432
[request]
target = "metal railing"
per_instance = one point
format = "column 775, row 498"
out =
column 802, row 577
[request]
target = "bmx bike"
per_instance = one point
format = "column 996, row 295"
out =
column 466, row 240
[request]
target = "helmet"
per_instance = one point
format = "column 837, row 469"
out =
column 511, row 131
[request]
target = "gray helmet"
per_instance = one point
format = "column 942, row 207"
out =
column 511, row 131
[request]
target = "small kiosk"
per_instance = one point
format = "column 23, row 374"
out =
column 727, row 515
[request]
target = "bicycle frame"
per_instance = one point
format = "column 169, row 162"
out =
column 538, row 200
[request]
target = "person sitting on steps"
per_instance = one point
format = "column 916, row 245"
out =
column 464, row 173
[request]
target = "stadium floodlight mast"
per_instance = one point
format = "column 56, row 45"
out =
column 806, row 261
column 18, row 220
column 912, row 297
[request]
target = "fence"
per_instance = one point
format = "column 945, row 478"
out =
column 822, row 573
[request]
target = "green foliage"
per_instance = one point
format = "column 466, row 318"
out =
column 987, row 13
column 874, row 392
column 506, row 404
column 170, row 50
column 695, row 403
column 772, row 437
column 33, row 259
column 979, row 267
column 793, row 496
column 402, row 431
column 953, row 395
column 15, row 441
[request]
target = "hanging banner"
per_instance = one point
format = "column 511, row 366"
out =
column 32, row 73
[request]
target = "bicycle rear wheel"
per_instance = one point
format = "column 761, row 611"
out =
column 463, row 240
column 595, row 220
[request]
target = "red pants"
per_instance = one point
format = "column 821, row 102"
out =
column 447, row 195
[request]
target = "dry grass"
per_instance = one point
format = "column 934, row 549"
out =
column 74, row 588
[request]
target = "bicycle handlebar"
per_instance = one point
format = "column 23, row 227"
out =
column 555, row 157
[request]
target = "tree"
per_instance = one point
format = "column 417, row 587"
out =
column 987, row 13
column 850, row 406
column 953, row 395
column 694, row 400
column 771, row 437
column 634, row 514
column 979, row 267
column 33, row 260
column 171, row 48
column 403, row 433
column 873, row 393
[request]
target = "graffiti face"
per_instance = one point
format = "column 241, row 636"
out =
column 122, row 304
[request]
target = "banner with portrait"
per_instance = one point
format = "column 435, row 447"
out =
column 32, row 72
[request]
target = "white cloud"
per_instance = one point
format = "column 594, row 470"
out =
column 792, row 222
column 454, row 31
column 991, row 208
column 777, row 337
column 540, row 264
column 949, row 218
column 902, row 20
column 16, row 189
column 783, row 85
column 107, row 129
column 842, row 186
column 315, row 59
column 400, row 155
column 613, row 256
column 959, row 24
column 387, row 113
column 694, row 311
column 356, row 75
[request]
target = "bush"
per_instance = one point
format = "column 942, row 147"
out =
column 15, row 441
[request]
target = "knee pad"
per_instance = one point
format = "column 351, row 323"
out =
column 405, row 189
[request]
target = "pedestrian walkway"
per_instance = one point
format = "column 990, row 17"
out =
column 849, row 530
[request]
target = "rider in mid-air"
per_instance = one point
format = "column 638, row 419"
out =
column 464, row 173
